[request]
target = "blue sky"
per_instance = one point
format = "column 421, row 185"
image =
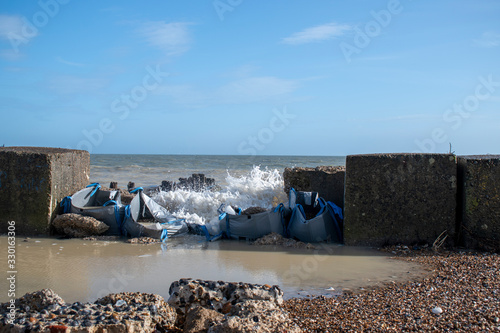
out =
column 251, row 77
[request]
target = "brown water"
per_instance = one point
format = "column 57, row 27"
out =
column 81, row 270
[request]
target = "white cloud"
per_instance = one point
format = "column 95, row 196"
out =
column 488, row 39
column 13, row 28
column 173, row 38
column 242, row 91
column 11, row 25
column 69, row 63
column 317, row 34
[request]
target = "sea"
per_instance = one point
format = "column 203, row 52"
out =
column 243, row 181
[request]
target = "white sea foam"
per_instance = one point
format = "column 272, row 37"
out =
column 258, row 188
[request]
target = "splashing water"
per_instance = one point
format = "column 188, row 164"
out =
column 258, row 188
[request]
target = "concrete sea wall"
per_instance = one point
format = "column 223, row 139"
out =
column 399, row 198
column 412, row 198
column 328, row 181
column 479, row 214
column 33, row 181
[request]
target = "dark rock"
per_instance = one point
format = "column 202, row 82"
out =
column 166, row 185
column 113, row 185
column 328, row 181
column 253, row 210
column 479, row 217
column 197, row 182
column 399, row 198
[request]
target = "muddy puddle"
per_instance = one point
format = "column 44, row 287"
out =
column 81, row 270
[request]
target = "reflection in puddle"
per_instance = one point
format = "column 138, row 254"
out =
column 81, row 270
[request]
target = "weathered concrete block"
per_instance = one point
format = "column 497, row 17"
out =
column 479, row 186
column 399, row 198
column 328, row 181
column 33, row 181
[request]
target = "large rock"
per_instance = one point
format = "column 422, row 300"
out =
column 76, row 225
column 328, row 181
column 33, row 181
column 399, row 198
column 159, row 312
column 217, row 306
column 186, row 294
column 255, row 316
column 479, row 185
column 39, row 300
column 196, row 182
column 44, row 311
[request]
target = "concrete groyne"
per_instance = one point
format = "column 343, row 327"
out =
column 387, row 198
column 478, row 219
column 415, row 198
column 34, row 180
column 328, row 181
column 399, row 198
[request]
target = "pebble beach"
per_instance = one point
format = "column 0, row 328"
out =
column 461, row 293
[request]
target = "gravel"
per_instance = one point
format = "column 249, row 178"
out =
column 460, row 294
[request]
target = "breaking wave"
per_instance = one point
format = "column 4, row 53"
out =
column 261, row 188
